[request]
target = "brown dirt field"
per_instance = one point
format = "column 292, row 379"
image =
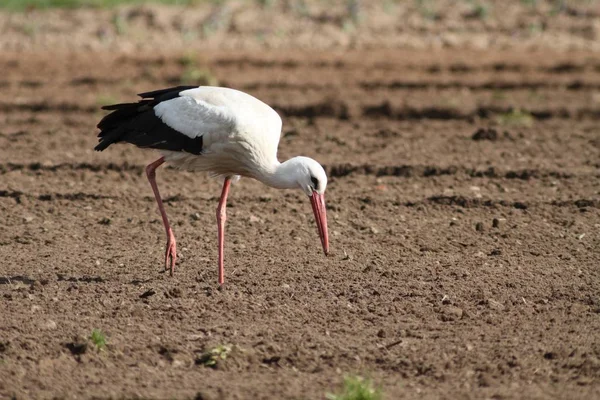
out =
column 460, row 268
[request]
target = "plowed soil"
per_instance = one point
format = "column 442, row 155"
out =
column 464, row 214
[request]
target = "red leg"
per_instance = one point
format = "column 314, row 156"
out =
column 171, row 251
column 221, row 217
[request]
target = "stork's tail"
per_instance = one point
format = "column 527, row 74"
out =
column 111, row 126
column 134, row 122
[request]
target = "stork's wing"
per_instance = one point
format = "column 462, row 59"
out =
column 164, row 119
column 195, row 117
column 236, row 121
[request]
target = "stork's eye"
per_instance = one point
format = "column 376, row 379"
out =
column 315, row 182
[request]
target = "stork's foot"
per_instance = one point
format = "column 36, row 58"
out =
column 171, row 253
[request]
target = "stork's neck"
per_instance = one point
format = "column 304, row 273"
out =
column 280, row 175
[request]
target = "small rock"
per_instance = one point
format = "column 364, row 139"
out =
column 578, row 308
column 495, row 223
column 174, row 293
column 254, row 218
column 495, row 305
column 35, row 286
column 496, row 252
column 584, row 381
column 382, row 333
column 374, row 230
column 479, row 227
column 49, row 325
column 27, row 219
column 196, row 216
column 454, row 312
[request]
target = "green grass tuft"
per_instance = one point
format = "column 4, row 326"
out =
column 98, row 338
column 212, row 357
column 356, row 388
column 516, row 118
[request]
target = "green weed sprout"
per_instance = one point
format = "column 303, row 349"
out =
column 212, row 357
column 99, row 339
column 356, row 388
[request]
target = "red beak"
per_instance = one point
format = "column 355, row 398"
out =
column 318, row 205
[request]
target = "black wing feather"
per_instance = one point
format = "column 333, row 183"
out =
column 169, row 92
column 136, row 123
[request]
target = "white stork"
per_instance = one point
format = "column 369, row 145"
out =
column 223, row 131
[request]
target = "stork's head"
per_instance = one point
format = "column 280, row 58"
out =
column 310, row 176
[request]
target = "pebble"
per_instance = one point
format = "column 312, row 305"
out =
column 454, row 312
column 49, row 325
column 495, row 305
column 479, row 227
column 174, row 293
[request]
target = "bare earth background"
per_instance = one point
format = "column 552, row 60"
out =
column 463, row 148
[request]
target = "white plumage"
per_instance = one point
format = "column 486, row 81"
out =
column 240, row 133
column 222, row 131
